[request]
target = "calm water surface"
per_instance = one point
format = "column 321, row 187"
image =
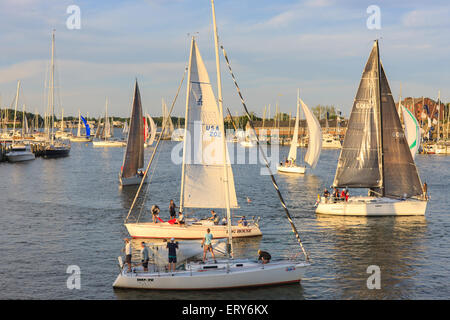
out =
column 60, row 212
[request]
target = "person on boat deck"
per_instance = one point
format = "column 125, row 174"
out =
column 425, row 191
column 336, row 193
column 207, row 245
column 172, row 211
column 224, row 221
column 155, row 213
column 172, row 246
column 214, row 217
column 180, row 219
column 264, row 256
column 326, row 193
column 344, row 194
column 243, row 222
column 145, row 257
column 128, row 252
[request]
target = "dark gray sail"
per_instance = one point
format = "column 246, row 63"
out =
column 134, row 155
column 400, row 172
column 359, row 164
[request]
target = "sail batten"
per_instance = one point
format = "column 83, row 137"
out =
column 203, row 174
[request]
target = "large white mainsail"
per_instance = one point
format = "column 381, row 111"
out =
column 412, row 131
column 203, row 178
column 315, row 136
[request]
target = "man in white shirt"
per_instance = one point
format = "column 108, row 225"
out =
column 128, row 252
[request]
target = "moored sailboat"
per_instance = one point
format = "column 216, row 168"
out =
column 376, row 154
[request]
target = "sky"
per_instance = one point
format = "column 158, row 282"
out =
column 274, row 47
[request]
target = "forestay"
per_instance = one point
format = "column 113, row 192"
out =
column 203, row 174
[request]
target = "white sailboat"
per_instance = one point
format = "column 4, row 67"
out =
column 227, row 273
column 201, row 180
column 104, row 136
column 314, row 145
column 131, row 172
column 79, row 137
column 376, row 154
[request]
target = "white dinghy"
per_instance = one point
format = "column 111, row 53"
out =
column 314, row 145
column 376, row 155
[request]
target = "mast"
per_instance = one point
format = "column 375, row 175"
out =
column 15, row 107
column 224, row 157
column 183, row 165
column 106, row 120
column 439, row 115
column 52, row 87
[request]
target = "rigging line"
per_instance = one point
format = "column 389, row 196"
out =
column 265, row 159
column 148, row 186
column 156, row 146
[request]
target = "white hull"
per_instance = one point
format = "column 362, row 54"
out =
column 19, row 157
column 131, row 180
column 188, row 231
column 293, row 169
column 215, row 276
column 80, row 139
column 371, row 206
column 109, row 143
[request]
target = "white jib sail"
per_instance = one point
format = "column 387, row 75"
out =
column 293, row 150
column 315, row 136
column 152, row 130
column 204, row 185
column 79, row 124
column 412, row 131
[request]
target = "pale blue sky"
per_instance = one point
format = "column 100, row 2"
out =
column 274, row 46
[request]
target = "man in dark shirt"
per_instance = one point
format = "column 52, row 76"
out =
column 172, row 246
column 172, row 211
column 264, row 256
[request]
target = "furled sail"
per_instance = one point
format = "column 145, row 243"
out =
column 412, row 131
column 315, row 137
column 294, row 143
column 358, row 164
column 203, row 184
column 399, row 170
column 134, row 154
